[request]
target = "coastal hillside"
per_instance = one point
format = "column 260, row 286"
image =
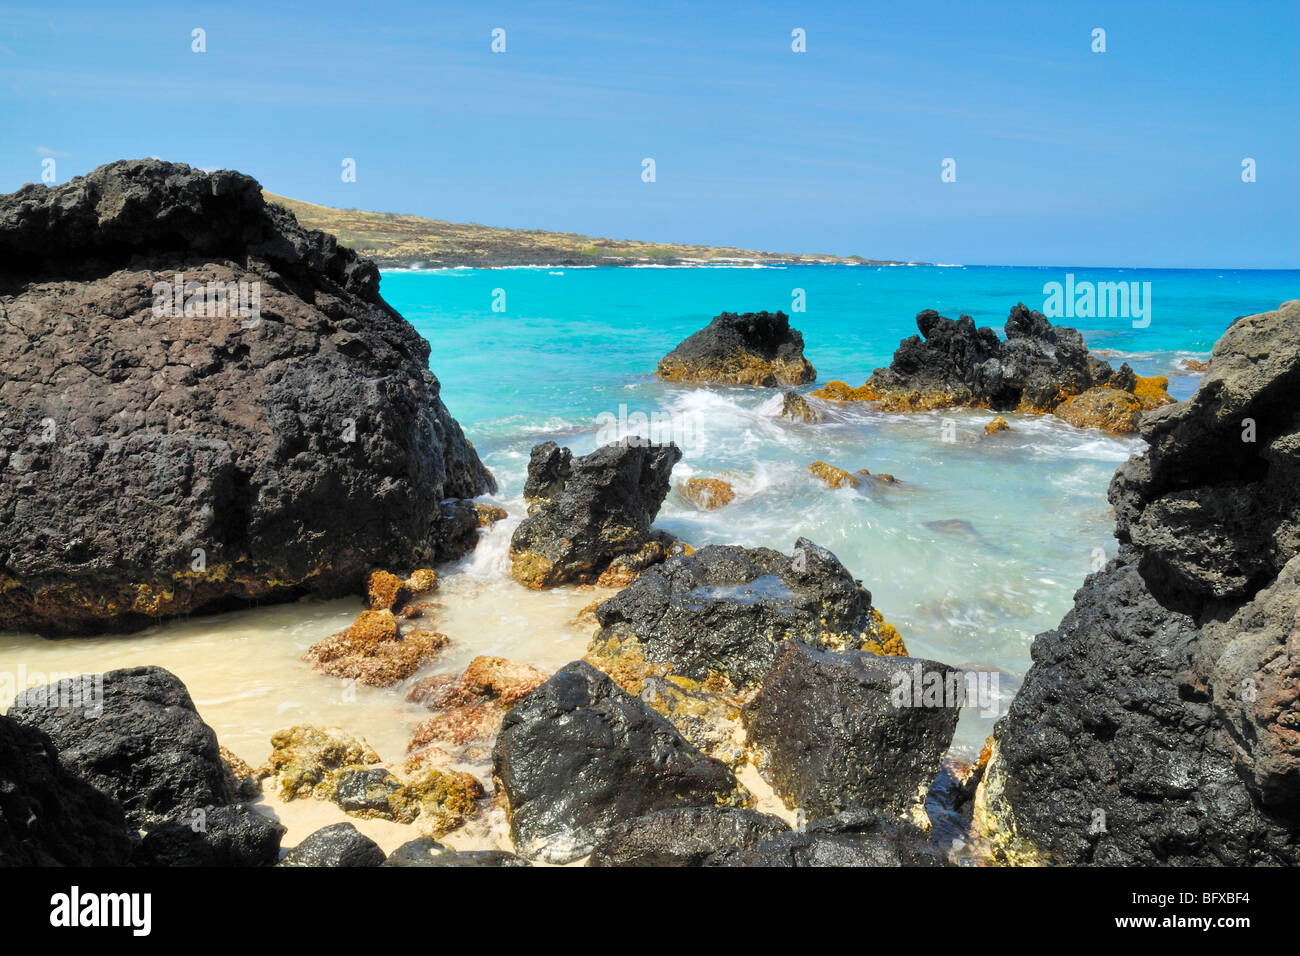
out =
column 394, row 240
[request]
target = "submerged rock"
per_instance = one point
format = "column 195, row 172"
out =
column 853, row 730
column 708, row 493
column 798, row 409
column 1160, row 723
column 338, row 845
column 578, row 756
column 48, row 815
column 687, row 836
column 953, row 364
column 596, row 509
column 725, row 609
column 756, row 348
column 205, row 405
column 852, row 838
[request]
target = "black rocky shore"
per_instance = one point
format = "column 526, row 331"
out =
column 1159, row 724
column 163, row 454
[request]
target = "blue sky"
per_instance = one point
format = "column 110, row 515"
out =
column 1064, row 156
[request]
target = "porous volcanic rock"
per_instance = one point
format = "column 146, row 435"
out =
column 591, row 510
column 578, row 756
column 756, row 348
column 851, row 838
column 686, row 836
column 953, row 364
column 338, row 845
column 142, row 742
column 48, row 815
column 274, row 435
column 725, row 609
column 836, row 733
column 1160, row 722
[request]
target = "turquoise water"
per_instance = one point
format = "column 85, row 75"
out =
column 983, row 542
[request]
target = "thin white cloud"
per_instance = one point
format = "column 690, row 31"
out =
column 46, row 151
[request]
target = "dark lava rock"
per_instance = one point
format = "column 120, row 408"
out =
column 600, row 508
column 1160, row 722
column 144, row 744
column 757, row 348
column 578, row 756
column 852, row 838
column 217, row 836
column 953, row 363
column 418, row 852
column 157, row 461
column 48, row 816
column 687, row 836
column 474, row 858
column 852, row 730
column 366, row 791
column 339, row 845
column 549, row 467
column 727, row 608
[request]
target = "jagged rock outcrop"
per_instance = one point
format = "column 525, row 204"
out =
column 1039, row 367
column 756, row 348
column 590, row 512
column 1160, row 722
column 578, row 756
column 205, row 404
column 48, row 815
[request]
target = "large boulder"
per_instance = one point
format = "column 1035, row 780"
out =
column 135, row 735
column 48, row 815
column 756, row 348
column 852, row 838
column 725, row 609
column 205, row 405
column 854, row 730
column 685, row 836
column 595, row 510
column 578, row 756
column 143, row 743
column 1160, row 722
column 1037, row 368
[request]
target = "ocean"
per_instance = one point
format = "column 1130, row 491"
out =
column 977, row 548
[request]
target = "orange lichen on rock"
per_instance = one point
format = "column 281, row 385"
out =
column 1152, row 391
column 709, row 493
column 384, row 590
column 488, row 515
column 832, row 476
column 470, row 706
column 1109, row 409
column 884, row 639
column 999, row 424
column 838, row 391
column 373, row 651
